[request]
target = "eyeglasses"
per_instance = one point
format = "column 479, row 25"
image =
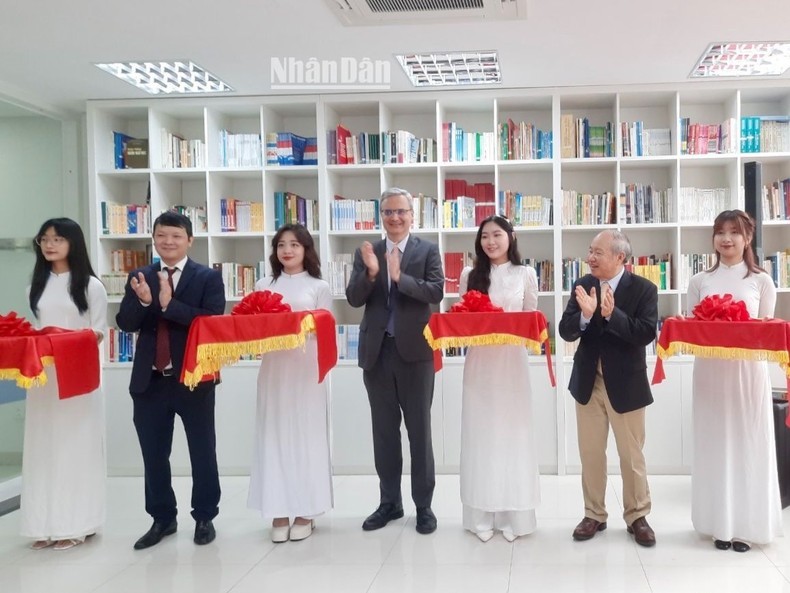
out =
column 54, row 241
column 401, row 212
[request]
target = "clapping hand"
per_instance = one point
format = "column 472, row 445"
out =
column 165, row 290
column 369, row 259
column 142, row 289
column 607, row 302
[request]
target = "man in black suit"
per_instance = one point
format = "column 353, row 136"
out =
column 614, row 314
column 160, row 302
column 397, row 280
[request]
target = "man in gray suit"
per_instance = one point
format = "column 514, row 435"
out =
column 397, row 280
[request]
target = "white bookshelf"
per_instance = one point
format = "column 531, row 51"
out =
column 422, row 114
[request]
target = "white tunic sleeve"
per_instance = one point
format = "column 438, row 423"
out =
column 530, row 290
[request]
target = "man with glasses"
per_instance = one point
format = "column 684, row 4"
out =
column 397, row 279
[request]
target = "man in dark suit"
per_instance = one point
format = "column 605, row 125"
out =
column 614, row 314
column 397, row 280
column 160, row 302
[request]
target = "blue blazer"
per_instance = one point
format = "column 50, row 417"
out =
column 421, row 285
column 200, row 291
column 618, row 343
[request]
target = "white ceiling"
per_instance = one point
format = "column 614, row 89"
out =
column 47, row 48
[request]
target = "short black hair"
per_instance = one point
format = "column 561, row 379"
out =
column 175, row 219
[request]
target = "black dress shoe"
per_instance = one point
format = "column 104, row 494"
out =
column 426, row 520
column 204, row 532
column 721, row 544
column 386, row 512
column 740, row 546
column 154, row 535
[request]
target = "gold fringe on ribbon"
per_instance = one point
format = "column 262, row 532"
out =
column 212, row 357
column 484, row 340
column 21, row 381
column 725, row 353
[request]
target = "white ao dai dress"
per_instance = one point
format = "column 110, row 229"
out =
column 735, row 488
column 63, row 462
column 291, row 473
column 500, row 486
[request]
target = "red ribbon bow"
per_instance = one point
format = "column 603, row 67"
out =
column 261, row 301
column 475, row 301
column 720, row 308
column 13, row 325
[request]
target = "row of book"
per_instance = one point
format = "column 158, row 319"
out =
column 195, row 214
column 700, row 204
column 125, row 219
column 776, row 200
column 290, row 208
column 523, row 141
column 707, row 138
column 524, row 211
column 337, row 272
column 119, row 346
column 579, row 208
column 180, row 153
column 240, row 216
column 347, row 341
column 454, row 263
column 239, row 150
column 656, row 268
column 464, row 212
column 643, row 204
column 426, row 212
column 778, row 266
column 404, row 147
column 579, row 139
column 544, row 269
column 635, row 140
column 354, row 215
column 765, row 133
column 239, row 279
column 287, row 149
column 461, row 146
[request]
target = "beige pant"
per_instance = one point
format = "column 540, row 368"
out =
column 592, row 421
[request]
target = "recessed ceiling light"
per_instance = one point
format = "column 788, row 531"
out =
column 452, row 68
column 167, row 77
column 770, row 58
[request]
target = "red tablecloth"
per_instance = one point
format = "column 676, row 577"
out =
column 216, row 341
column 736, row 340
column 74, row 354
column 528, row 328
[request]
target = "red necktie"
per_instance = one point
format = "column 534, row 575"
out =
column 162, row 358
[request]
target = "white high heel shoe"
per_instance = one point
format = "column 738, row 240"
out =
column 484, row 536
column 300, row 532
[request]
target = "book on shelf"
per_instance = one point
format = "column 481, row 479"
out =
column 635, row 140
column 545, row 272
column 765, row 133
column 454, row 263
column 292, row 150
column 466, row 204
column 354, row 215
column 119, row 346
column 523, row 141
column 347, row 341
column 693, row 263
column 525, row 210
column 240, row 150
column 778, row 267
column 404, row 147
column 290, row 208
column 195, row 214
column 240, row 216
column 136, row 153
column 657, row 269
column 180, row 153
column 239, row 279
column 461, row 146
column 426, row 212
column 776, row 200
column 338, row 272
column 572, row 270
column 567, row 136
column 125, row 219
column 588, row 209
column 696, row 138
column 702, row 204
column 643, row 204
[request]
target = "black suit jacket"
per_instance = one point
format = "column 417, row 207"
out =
column 619, row 343
column 421, row 284
column 200, row 291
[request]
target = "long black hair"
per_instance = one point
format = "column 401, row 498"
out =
column 480, row 276
column 311, row 262
column 77, row 258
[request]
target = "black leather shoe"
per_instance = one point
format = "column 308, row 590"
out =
column 386, row 512
column 740, row 546
column 154, row 535
column 204, row 532
column 426, row 520
column 721, row 544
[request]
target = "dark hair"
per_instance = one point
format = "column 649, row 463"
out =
column 744, row 224
column 175, row 219
column 311, row 262
column 77, row 258
column 480, row 276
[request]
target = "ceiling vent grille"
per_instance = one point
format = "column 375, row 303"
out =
column 388, row 12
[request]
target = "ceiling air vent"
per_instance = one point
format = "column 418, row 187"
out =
column 388, row 12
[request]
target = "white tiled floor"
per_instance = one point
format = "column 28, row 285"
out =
column 340, row 557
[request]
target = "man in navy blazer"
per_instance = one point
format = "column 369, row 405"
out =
column 162, row 314
column 613, row 313
column 397, row 280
